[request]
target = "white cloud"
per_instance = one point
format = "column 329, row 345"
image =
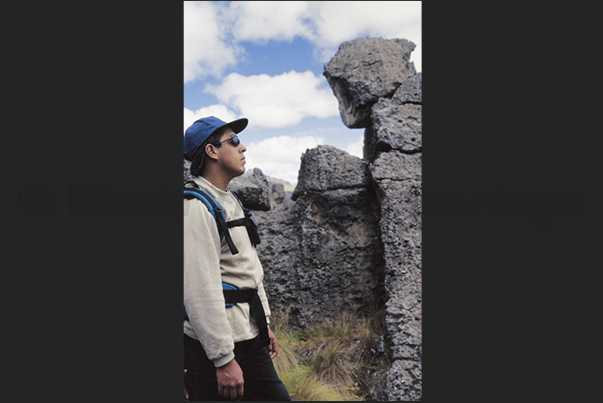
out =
column 213, row 31
column 280, row 157
column 326, row 23
column 207, row 50
column 260, row 21
column 339, row 21
column 277, row 101
column 355, row 148
column 219, row 111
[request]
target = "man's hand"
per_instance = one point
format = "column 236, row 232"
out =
column 230, row 380
column 273, row 346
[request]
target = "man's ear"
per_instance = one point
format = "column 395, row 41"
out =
column 211, row 151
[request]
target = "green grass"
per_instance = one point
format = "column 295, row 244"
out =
column 331, row 360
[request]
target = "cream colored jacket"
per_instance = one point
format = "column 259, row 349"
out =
column 209, row 262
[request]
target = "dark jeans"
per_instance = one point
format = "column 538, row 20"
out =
column 261, row 380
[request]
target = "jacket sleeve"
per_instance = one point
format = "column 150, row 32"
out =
column 203, row 297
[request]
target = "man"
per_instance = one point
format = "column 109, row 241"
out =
column 224, row 354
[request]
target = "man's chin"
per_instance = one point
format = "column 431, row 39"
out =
column 241, row 172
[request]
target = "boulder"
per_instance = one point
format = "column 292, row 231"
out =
column 364, row 70
column 277, row 193
column 328, row 168
column 322, row 257
column 252, row 188
column 340, row 269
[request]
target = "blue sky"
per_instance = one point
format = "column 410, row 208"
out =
column 264, row 60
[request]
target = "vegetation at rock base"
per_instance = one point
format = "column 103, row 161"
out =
column 330, row 360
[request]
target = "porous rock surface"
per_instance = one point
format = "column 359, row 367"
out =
column 353, row 241
column 364, row 70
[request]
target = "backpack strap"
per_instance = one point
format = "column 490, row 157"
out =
column 241, row 221
column 214, row 209
column 246, row 222
column 233, row 295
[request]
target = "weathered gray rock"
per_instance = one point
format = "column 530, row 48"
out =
column 330, row 261
column 402, row 377
column 402, row 243
column 352, row 241
column 187, row 172
column 279, row 253
column 410, row 91
column 280, row 193
column 340, row 267
column 396, row 122
column 277, row 191
column 396, row 166
column 252, row 188
column 327, row 168
column 397, row 178
column 394, row 127
column 364, row 70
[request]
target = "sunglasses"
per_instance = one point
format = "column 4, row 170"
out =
column 234, row 139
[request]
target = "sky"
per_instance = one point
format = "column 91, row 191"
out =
column 264, row 60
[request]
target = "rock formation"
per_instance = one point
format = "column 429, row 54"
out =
column 350, row 238
column 339, row 235
column 352, row 242
column 253, row 187
column 364, row 70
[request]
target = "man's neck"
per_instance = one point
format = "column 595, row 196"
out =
column 217, row 180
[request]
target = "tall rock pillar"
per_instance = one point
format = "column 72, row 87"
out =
column 379, row 89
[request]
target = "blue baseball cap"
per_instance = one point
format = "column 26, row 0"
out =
column 202, row 128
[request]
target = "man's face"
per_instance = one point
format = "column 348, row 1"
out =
column 231, row 156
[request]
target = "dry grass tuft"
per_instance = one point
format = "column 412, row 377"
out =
column 329, row 360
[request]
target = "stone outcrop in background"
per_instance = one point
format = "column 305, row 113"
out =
column 253, row 187
column 349, row 240
column 320, row 253
column 339, row 235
